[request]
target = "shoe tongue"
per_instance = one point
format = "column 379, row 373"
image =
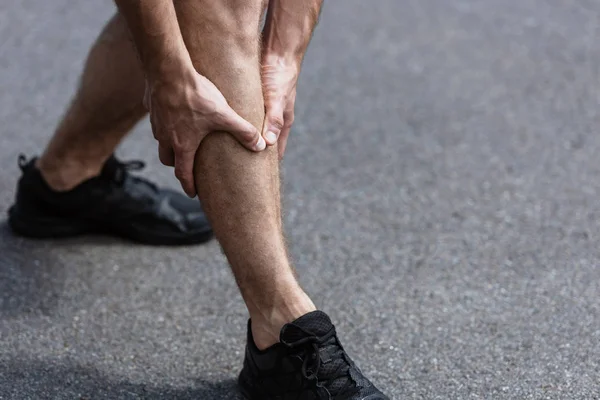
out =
column 109, row 170
column 315, row 323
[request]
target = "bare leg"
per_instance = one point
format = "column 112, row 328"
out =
column 106, row 107
column 239, row 189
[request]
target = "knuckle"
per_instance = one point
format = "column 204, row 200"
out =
column 179, row 148
column 277, row 122
column 249, row 136
column 220, row 116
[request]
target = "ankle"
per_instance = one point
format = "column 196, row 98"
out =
column 266, row 325
column 65, row 174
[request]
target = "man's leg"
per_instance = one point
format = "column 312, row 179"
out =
column 106, row 107
column 75, row 188
column 292, row 351
column 239, row 189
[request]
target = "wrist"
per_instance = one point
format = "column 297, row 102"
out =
column 170, row 86
column 170, row 70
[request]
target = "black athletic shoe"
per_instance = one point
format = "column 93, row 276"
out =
column 115, row 203
column 308, row 364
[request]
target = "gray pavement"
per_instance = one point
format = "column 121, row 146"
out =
column 441, row 192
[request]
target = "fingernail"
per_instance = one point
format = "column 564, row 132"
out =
column 271, row 137
column 260, row 146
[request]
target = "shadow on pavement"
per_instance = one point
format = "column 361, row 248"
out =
column 32, row 272
column 32, row 281
column 47, row 380
column 30, row 276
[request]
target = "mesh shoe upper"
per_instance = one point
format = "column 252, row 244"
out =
column 309, row 363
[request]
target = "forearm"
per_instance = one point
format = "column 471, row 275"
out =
column 289, row 27
column 157, row 37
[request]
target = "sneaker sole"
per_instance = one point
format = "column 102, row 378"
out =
column 249, row 393
column 41, row 227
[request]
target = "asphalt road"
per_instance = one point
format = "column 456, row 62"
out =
column 441, row 192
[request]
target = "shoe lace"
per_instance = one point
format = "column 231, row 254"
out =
column 23, row 161
column 338, row 380
column 121, row 173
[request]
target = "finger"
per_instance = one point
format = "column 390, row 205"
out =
column 184, row 170
column 242, row 130
column 165, row 155
column 154, row 125
column 146, row 98
column 282, row 142
column 288, row 117
column 274, row 121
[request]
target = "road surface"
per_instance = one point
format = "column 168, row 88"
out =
column 441, row 193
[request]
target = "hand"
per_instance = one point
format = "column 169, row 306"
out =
column 182, row 112
column 279, row 79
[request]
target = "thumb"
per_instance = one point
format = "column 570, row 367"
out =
column 273, row 123
column 242, row 130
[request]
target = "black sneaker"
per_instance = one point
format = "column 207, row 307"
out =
column 309, row 363
column 115, row 203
